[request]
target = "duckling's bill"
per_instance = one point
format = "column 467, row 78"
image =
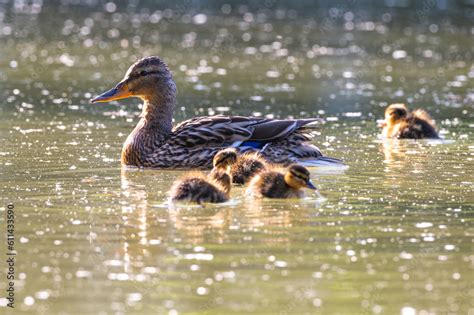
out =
column 381, row 123
column 118, row 92
column 310, row 185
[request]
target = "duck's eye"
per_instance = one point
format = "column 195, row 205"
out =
column 143, row 72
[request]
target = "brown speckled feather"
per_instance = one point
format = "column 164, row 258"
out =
column 192, row 143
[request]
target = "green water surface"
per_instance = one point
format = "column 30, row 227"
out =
column 394, row 234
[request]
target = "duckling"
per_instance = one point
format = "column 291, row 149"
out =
column 401, row 124
column 247, row 166
column 277, row 184
column 214, row 188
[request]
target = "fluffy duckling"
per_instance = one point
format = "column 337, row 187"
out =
column 276, row 184
column 247, row 166
column 214, row 188
column 401, row 124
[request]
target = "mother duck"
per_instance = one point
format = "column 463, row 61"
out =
column 193, row 143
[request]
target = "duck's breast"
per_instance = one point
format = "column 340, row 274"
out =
column 131, row 151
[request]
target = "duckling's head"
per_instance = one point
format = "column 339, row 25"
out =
column 395, row 112
column 222, row 162
column 224, row 159
column 298, row 177
column 148, row 78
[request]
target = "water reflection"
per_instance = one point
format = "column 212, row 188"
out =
column 202, row 225
column 208, row 223
column 411, row 155
column 273, row 222
column 408, row 164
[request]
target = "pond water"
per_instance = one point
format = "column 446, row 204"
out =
column 393, row 234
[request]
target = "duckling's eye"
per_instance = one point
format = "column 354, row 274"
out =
column 299, row 176
column 143, row 72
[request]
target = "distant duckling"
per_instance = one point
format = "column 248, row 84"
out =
column 401, row 124
column 247, row 166
column 276, row 184
column 214, row 188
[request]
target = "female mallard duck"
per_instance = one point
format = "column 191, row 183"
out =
column 276, row 184
column 248, row 165
column 214, row 188
column 156, row 143
column 401, row 124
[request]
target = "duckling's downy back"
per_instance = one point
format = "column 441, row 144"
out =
column 197, row 188
column 247, row 166
column 272, row 184
column 418, row 125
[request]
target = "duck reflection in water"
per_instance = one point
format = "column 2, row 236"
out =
column 402, row 130
column 149, row 219
column 406, row 163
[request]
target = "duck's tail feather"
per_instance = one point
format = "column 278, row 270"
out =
column 312, row 123
column 322, row 161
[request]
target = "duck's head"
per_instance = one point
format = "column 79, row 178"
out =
column 148, row 78
column 395, row 112
column 224, row 159
column 298, row 177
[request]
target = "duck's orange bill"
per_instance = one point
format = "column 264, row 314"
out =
column 117, row 93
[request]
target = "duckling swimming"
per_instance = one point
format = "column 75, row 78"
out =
column 214, row 188
column 276, row 184
column 247, row 166
column 156, row 143
column 401, row 124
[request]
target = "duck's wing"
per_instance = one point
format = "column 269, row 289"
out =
column 236, row 130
